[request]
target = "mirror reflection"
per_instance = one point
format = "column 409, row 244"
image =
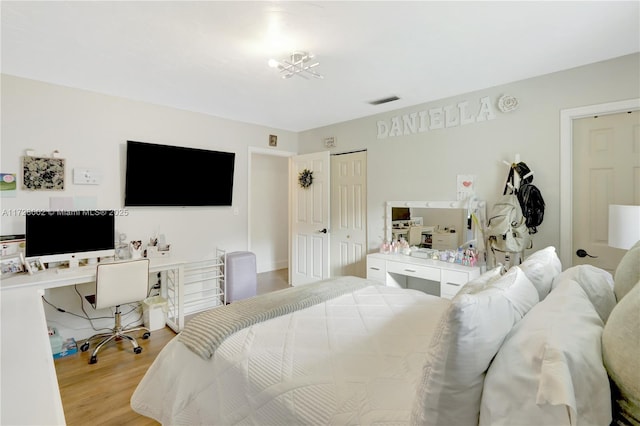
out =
column 431, row 224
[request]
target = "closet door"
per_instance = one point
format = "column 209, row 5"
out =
column 309, row 219
column 349, row 214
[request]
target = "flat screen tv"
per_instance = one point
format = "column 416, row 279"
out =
column 400, row 213
column 166, row 175
column 57, row 236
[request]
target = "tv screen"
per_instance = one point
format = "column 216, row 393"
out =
column 400, row 213
column 60, row 235
column 165, row 175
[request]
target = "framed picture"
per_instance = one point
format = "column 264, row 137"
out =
column 273, row 140
column 12, row 264
column 43, row 173
column 35, row 265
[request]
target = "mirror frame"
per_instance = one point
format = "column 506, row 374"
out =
column 473, row 204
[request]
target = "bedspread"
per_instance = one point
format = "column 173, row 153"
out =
column 207, row 331
column 354, row 359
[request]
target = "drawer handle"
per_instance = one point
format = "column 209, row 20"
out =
column 374, row 268
column 457, row 285
column 410, row 270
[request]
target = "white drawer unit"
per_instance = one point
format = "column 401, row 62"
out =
column 452, row 282
column 444, row 241
column 397, row 270
column 377, row 269
column 413, row 270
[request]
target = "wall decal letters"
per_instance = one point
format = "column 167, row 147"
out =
column 447, row 116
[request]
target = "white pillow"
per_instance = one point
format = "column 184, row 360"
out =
column 467, row 338
column 541, row 267
column 482, row 281
column 596, row 283
column 628, row 272
column 549, row 369
column 620, row 349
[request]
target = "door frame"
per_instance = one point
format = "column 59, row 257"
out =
column 566, row 165
column 264, row 151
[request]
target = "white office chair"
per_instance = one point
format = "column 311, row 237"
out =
column 117, row 284
column 414, row 235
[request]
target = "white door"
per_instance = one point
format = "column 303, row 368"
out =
column 606, row 170
column 309, row 219
column 349, row 214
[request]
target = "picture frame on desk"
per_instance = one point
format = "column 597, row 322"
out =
column 12, row 264
column 35, row 265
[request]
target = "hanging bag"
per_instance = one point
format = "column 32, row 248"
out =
column 529, row 196
column 506, row 227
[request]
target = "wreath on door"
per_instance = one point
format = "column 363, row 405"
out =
column 305, row 178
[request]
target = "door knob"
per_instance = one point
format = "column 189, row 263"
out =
column 583, row 253
column 323, row 230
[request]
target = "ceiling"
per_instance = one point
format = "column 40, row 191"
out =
column 211, row 56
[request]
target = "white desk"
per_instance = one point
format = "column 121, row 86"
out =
column 30, row 393
column 432, row 276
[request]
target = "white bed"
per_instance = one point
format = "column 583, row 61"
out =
column 524, row 347
column 354, row 359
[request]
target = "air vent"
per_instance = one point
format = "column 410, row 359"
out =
column 384, row 100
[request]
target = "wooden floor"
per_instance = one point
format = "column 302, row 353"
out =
column 99, row 394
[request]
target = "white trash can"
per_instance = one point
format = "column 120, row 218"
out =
column 154, row 311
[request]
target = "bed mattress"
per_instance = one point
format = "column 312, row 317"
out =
column 355, row 359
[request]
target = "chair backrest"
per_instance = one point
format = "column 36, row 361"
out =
column 121, row 282
column 414, row 235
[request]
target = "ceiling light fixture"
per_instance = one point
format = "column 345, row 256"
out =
column 298, row 64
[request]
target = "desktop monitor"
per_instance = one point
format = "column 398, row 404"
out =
column 59, row 236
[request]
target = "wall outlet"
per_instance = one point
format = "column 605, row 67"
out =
column 87, row 176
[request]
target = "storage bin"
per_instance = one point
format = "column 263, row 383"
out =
column 154, row 311
column 240, row 270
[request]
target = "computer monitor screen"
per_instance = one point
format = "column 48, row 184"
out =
column 400, row 213
column 56, row 236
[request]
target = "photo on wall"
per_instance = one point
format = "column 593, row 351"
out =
column 7, row 185
column 42, row 173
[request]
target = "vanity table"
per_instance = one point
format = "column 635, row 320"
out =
column 435, row 277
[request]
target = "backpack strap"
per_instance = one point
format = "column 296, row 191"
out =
column 509, row 184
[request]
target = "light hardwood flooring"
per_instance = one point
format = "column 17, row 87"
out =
column 99, row 394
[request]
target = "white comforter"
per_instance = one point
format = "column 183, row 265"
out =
column 355, row 359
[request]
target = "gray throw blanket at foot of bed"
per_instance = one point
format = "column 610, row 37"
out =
column 204, row 333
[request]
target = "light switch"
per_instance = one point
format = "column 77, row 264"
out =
column 87, row 176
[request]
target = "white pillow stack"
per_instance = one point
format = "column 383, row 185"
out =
column 549, row 369
column 468, row 337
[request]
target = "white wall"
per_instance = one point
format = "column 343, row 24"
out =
column 91, row 130
column 269, row 227
column 424, row 166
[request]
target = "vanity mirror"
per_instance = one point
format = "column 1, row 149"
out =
column 442, row 225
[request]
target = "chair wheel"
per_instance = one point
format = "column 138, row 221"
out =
column 146, row 335
column 137, row 350
column 84, row 347
column 93, row 359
